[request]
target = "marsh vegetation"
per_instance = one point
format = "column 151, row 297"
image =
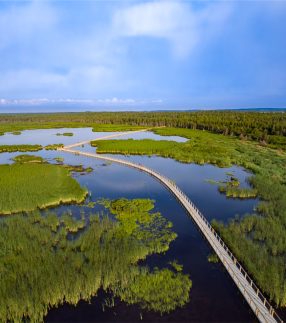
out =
column 265, row 128
column 28, row 159
column 26, row 186
column 54, row 146
column 66, row 134
column 219, row 138
column 22, row 148
column 258, row 240
column 49, row 268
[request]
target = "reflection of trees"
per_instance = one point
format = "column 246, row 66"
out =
column 41, row 266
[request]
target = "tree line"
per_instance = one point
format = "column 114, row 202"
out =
column 266, row 127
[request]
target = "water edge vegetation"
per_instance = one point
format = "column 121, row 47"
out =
column 258, row 240
column 22, row 148
column 35, row 248
column 28, row 186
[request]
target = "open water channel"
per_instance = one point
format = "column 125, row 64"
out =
column 213, row 296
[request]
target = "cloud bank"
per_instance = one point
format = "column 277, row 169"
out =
column 177, row 53
column 177, row 22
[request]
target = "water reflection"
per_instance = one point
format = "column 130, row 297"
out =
column 214, row 296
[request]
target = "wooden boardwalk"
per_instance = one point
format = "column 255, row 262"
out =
column 106, row 137
column 254, row 297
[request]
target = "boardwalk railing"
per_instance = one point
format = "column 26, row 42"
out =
column 254, row 297
column 106, row 137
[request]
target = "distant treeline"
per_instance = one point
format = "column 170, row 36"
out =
column 266, row 127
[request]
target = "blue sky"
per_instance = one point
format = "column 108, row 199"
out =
column 143, row 54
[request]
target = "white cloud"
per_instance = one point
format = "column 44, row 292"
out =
column 177, row 22
column 97, row 102
column 42, row 56
column 21, row 23
column 117, row 101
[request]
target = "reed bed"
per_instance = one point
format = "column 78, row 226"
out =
column 25, row 187
column 43, row 267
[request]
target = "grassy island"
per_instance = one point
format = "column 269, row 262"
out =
column 66, row 134
column 28, row 159
column 54, row 146
column 48, row 268
column 27, row 186
column 22, row 148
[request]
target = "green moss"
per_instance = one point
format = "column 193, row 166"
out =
column 25, row 187
column 42, row 267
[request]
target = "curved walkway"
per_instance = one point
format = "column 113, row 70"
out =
column 258, row 303
column 106, row 137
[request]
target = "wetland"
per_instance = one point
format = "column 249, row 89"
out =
column 167, row 252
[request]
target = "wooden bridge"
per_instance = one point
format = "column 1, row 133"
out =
column 254, row 297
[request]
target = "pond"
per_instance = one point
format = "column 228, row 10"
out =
column 213, row 296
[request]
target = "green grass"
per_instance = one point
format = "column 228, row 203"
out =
column 115, row 127
column 54, row 146
column 257, row 240
column 137, row 147
column 43, row 267
column 22, row 148
column 78, row 168
column 237, row 192
column 232, row 189
column 96, row 127
column 25, row 187
column 196, row 150
column 28, row 159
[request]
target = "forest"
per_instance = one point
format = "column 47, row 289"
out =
column 264, row 127
column 102, row 254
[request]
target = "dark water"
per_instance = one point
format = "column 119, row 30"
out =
column 213, row 297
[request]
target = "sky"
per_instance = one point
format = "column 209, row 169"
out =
column 142, row 55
